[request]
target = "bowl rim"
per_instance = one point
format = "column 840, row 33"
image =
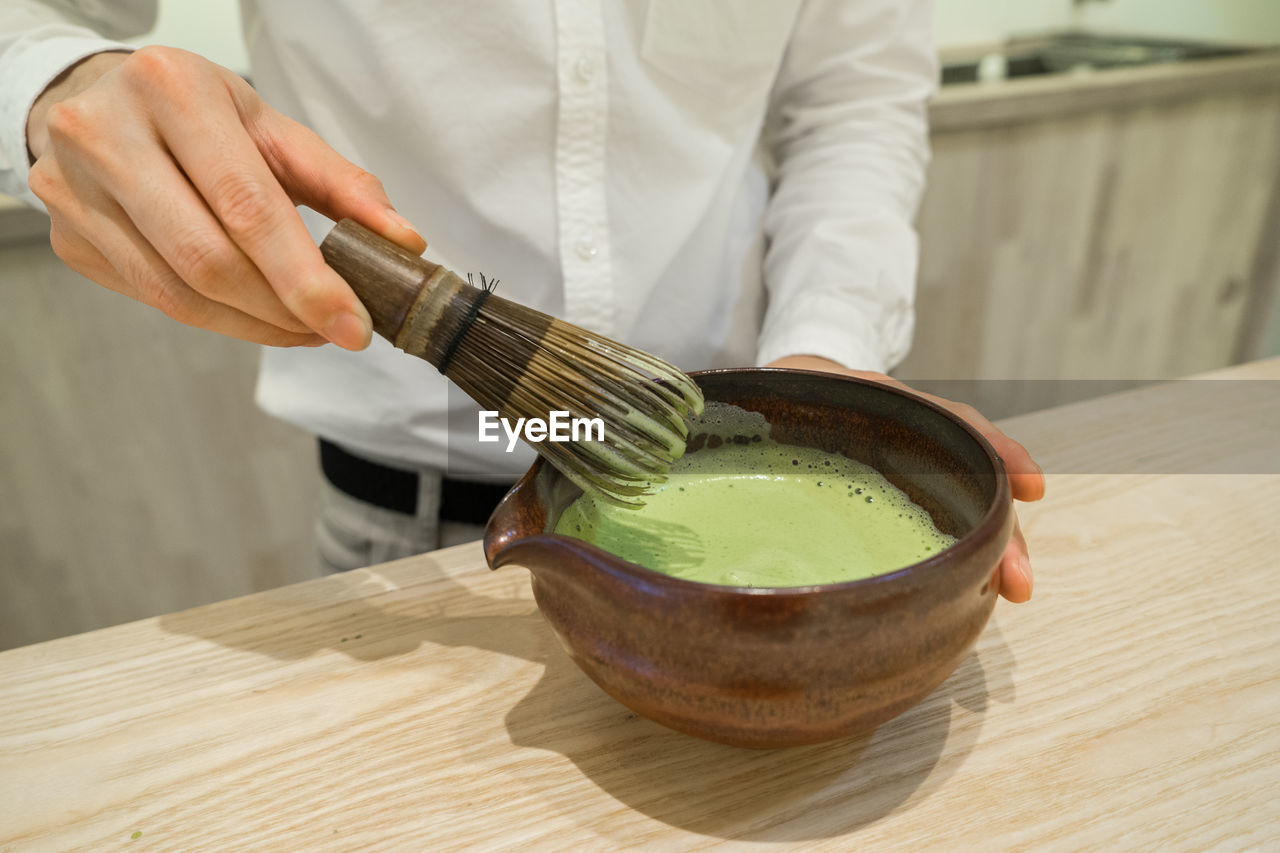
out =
column 987, row 526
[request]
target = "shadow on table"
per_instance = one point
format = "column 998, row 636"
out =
column 792, row 794
column 348, row 613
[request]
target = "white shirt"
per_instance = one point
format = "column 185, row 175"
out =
column 602, row 159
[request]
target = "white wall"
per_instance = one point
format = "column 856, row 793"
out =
column 972, row 22
column 212, row 27
column 983, row 22
column 1243, row 21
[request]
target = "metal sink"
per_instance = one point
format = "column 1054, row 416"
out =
column 1075, row 51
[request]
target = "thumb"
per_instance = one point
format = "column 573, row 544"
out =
column 322, row 179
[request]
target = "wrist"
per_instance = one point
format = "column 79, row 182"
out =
column 805, row 362
column 817, row 362
column 72, row 81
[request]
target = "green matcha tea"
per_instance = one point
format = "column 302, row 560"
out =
column 752, row 512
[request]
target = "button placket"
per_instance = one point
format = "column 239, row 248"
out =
column 581, row 135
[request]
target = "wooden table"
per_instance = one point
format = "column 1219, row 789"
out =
column 425, row 705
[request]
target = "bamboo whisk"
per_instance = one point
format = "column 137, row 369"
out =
column 525, row 364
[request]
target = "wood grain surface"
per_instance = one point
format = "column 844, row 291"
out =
column 424, row 704
column 1123, row 237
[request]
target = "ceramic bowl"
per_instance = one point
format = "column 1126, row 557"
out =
column 772, row 667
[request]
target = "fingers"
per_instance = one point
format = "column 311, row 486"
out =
column 317, row 176
column 194, row 181
column 1026, row 482
column 203, row 131
column 138, row 175
column 1026, row 479
column 126, row 264
column 127, row 216
column 1016, row 578
column 194, row 245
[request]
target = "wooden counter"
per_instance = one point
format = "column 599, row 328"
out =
column 1113, row 224
column 968, row 106
column 425, row 705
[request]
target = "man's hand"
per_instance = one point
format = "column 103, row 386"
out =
column 1025, row 477
column 168, row 179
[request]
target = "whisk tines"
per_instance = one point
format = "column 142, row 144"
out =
column 525, row 364
column 488, row 286
column 534, row 364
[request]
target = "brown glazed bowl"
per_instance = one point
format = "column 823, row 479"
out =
column 772, row 667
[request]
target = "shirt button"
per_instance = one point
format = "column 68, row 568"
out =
column 586, row 248
column 584, row 69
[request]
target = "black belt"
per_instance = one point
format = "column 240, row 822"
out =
column 397, row 489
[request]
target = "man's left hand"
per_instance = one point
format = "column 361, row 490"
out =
column 1025, row 477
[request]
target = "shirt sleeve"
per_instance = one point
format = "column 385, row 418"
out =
column 848, row 132
column 40, row 40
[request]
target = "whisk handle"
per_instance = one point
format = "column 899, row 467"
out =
column 389, row 280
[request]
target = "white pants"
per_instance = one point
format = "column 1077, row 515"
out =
column 352, row 534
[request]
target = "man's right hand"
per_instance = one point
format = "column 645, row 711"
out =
column 168, row 179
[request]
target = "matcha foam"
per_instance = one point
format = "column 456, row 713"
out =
column 743, row 510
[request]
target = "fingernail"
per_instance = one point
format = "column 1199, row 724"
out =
column 1024, row 566
column 404, row 223
column 349, row 330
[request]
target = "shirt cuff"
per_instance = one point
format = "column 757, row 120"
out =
column 27, row 68
column 833, row 329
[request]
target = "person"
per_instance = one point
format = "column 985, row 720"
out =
column 721, row 184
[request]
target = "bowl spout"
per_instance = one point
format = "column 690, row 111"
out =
column 518, row 515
